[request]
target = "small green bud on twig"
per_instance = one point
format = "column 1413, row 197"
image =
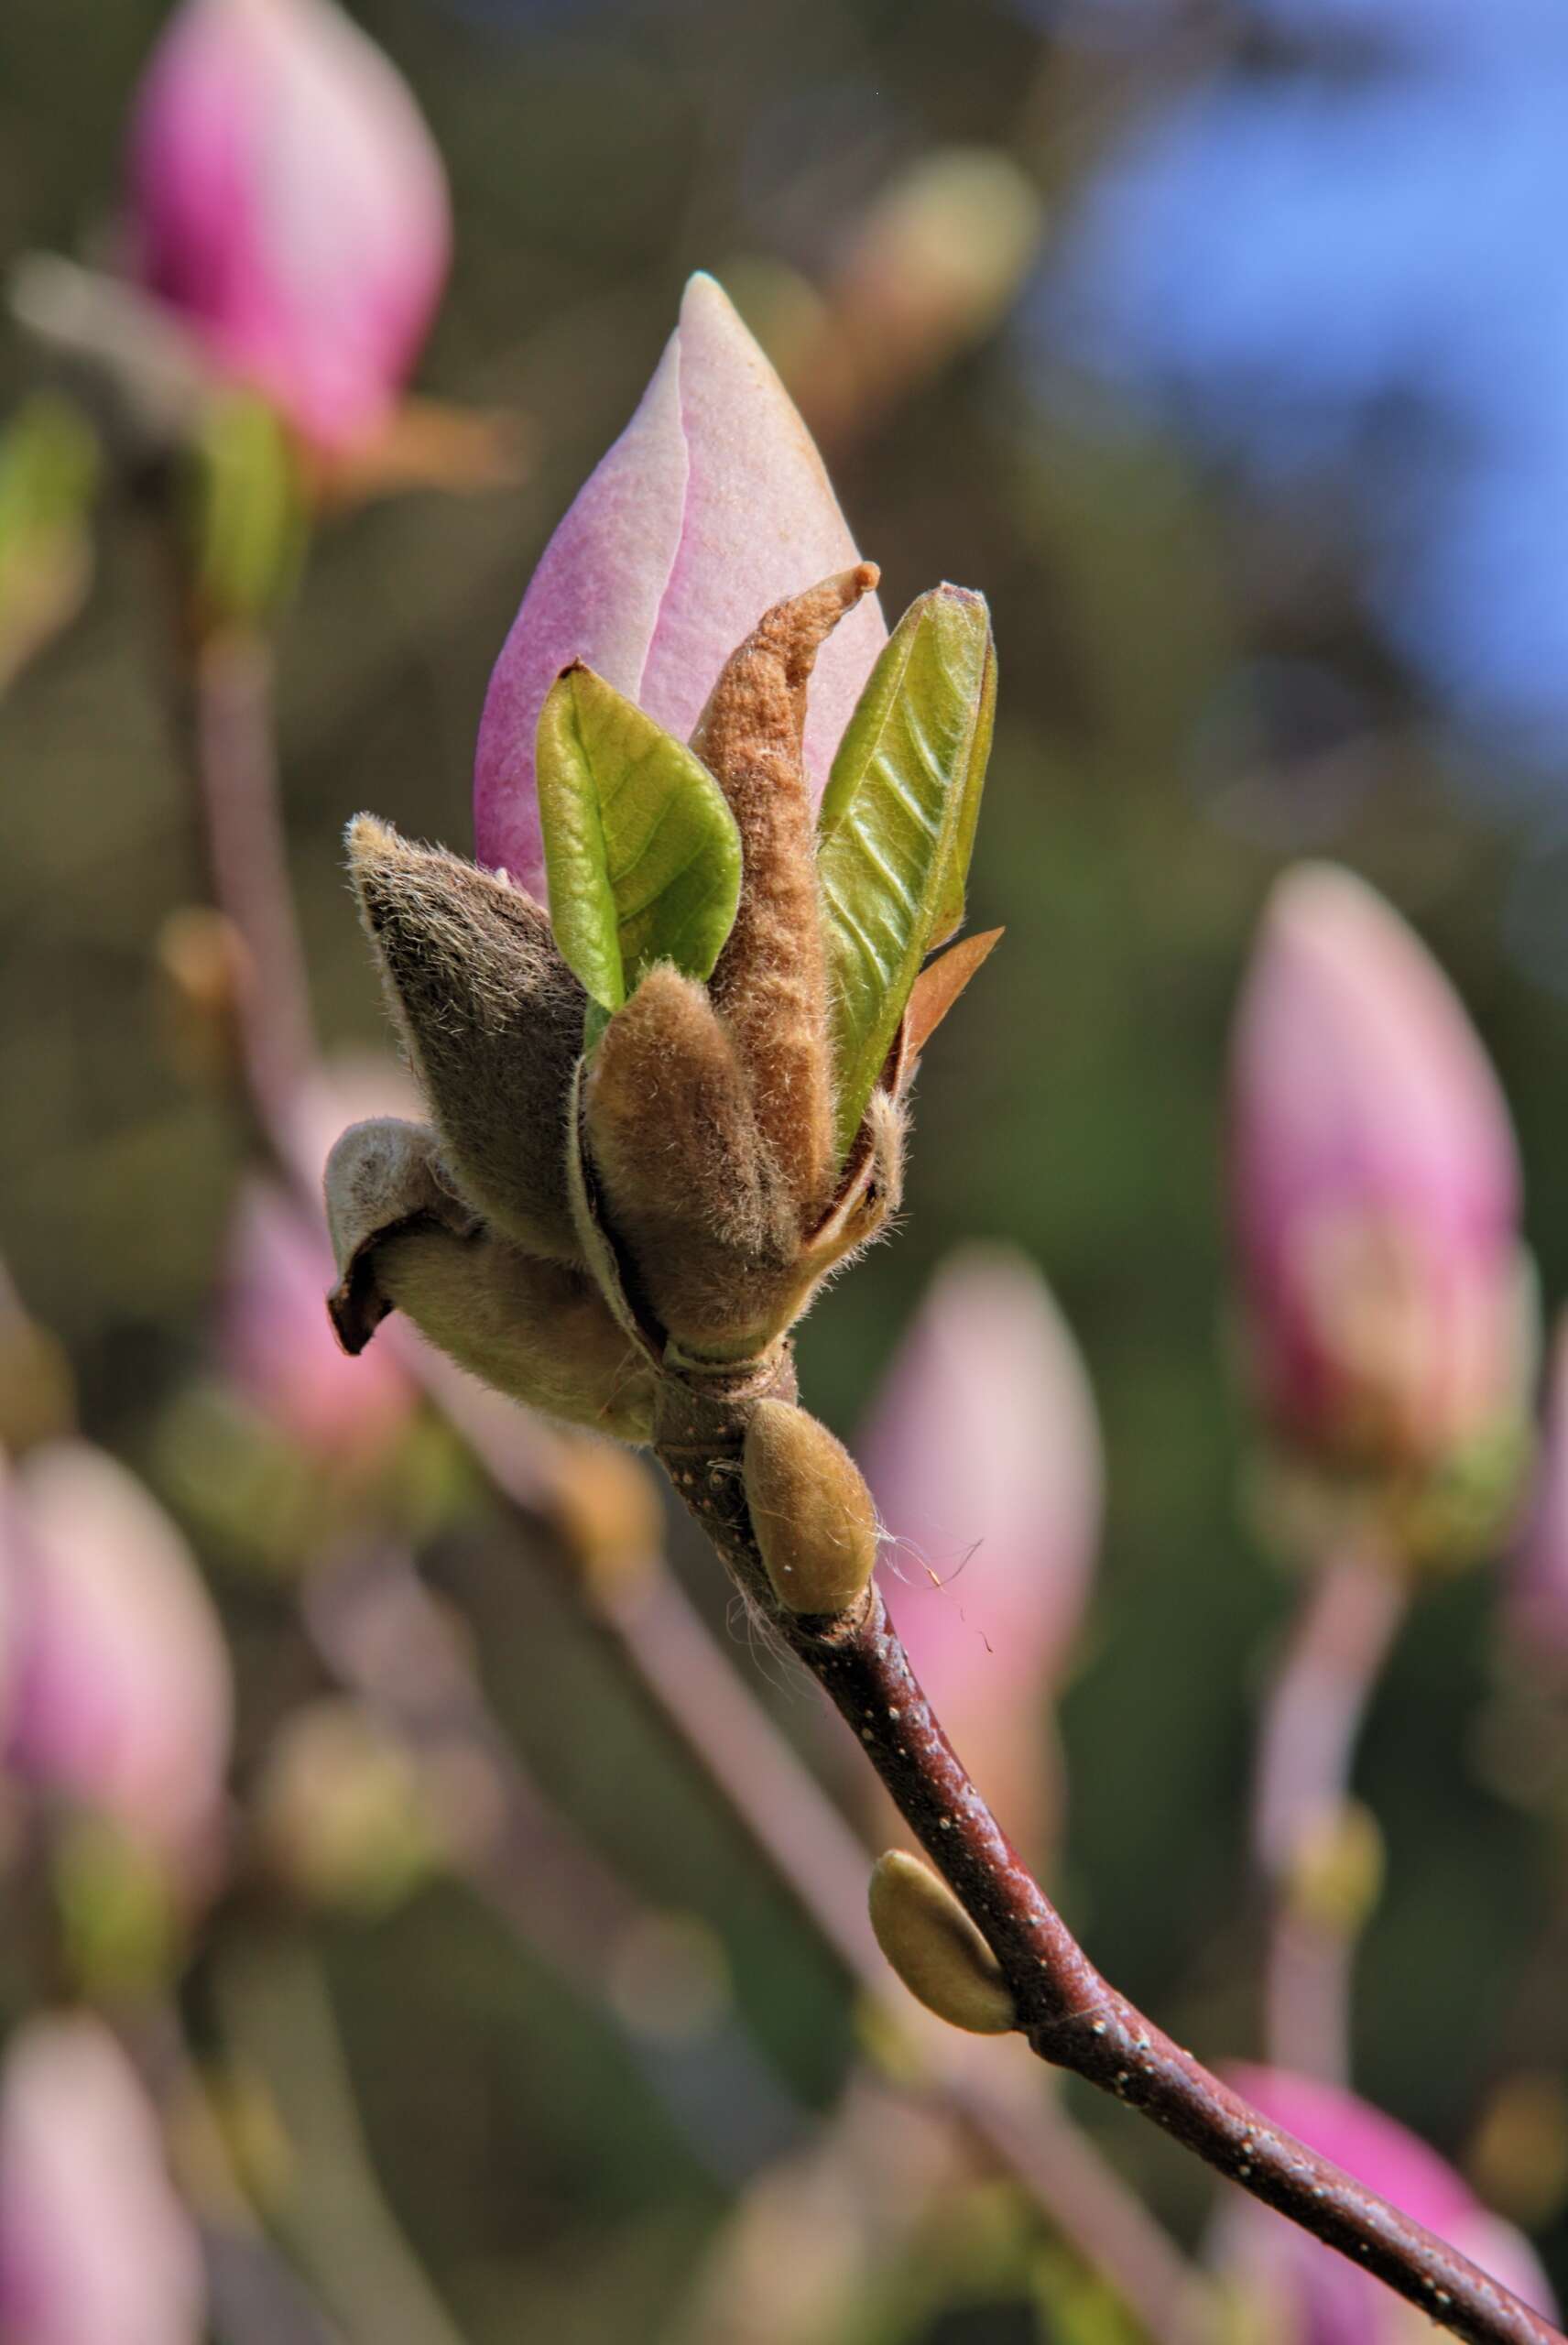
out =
column 814, row 1518
column 935, row 1948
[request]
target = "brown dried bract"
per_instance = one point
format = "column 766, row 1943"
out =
column 770, row 984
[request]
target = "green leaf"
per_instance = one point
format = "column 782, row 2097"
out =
column 897, row 824
column 641, row 851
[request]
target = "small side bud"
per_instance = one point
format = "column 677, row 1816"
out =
column 492, row 1021
column 935, row 1948
column 813, row 1516
column 770, row 983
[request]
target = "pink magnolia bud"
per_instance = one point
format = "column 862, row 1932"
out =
column 711, row 506
column 94, row 2247
column 983, row 1452
column 1537, row 1593
column 120, row 1693
column 1375, row 1188
column 288, row 200
column 1305, row 2291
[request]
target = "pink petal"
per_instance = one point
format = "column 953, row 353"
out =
column 288, row 200
column 761, row 521
column 94, row 2247
column 983, row 1452
column 594, row 596
column 712, row 505
column 1315, row 2296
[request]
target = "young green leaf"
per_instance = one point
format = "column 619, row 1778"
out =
column 897, row 825
column 641, row 853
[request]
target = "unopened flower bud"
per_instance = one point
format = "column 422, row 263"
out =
column 288, row 202
column 121, row 1698
column 712, row 507
column 1376, row 1191
column 935, row 1948
column 983, row 1448
column 94, row 2243
column 812, row 1514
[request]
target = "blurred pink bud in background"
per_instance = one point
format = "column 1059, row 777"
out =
column 983, row 1452
column 277, row 1345
column 275, row 1340
column 712, row 504
column 119, row 1695
column 1306, row 2293
column 287, row 199
column 1374, row 1187
column 94, row 2247
column 1537, row 1591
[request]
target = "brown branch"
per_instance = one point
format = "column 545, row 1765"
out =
column 1069, row 2014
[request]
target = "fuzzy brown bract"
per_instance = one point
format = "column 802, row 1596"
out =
column 492, row 1019
column 770, row 983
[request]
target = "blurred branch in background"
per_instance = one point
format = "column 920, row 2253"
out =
column 1320, row 1850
